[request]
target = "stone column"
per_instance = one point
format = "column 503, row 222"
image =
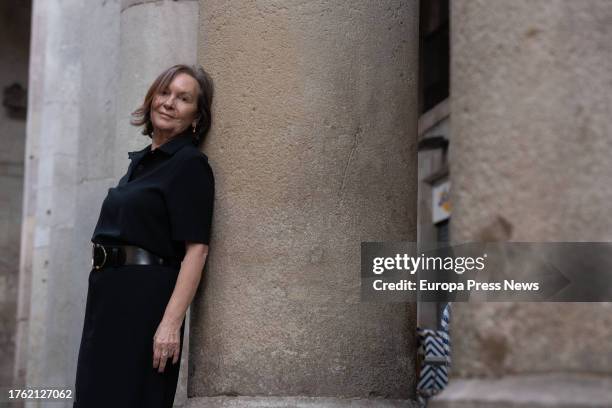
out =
column 70, row 116
column 313, row 147
column 46, row 310
column 530, row 161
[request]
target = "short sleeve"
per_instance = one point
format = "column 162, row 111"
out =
column 190, row 199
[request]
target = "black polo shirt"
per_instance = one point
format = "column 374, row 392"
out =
column 165, row 198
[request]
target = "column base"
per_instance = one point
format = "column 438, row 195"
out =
column 295, row 402
column 528, row 391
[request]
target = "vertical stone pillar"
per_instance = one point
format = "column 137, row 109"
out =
column 530, row 161
column 71, row 94
column 46, row 273
column 313, row 147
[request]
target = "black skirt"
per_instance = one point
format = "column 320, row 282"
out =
column 125, row 304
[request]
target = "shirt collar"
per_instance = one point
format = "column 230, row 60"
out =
column 169, row 148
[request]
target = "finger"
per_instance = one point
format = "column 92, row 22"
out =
column 154, row 352
column 156, row 356
column 175, row 356
column 162, row 363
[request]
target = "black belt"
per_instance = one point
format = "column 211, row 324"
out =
column 117, row 255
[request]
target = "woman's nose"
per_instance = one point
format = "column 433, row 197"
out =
column 169, row 102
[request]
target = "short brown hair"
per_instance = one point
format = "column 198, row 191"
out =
column 142, row 115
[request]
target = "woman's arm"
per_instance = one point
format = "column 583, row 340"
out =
column 167, row 336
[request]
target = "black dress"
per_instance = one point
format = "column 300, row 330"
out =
column 164, row 199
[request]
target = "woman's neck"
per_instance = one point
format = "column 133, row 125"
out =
column 159, row 137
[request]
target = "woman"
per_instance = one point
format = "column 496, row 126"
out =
column 150, row 246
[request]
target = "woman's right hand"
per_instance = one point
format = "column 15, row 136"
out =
column 166, row 344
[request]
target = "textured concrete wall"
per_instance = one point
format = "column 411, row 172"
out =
column 530, row 161
column 50, row 191
column 313, row 148
column 70, row 123
column 14, row 48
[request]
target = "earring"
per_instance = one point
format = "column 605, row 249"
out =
column 194, row 128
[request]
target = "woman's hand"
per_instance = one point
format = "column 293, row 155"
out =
column 167, row 337
column 166, row 344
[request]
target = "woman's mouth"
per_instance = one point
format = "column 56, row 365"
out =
column 166, row 116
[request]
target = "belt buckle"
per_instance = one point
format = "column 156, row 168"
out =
column 93, row 256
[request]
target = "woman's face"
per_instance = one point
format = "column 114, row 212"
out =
column 175, row 108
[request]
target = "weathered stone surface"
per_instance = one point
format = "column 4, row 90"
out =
column 313, row 149
column 296, row 402
column 530, row 161
column 528, row 391
column 70, row 133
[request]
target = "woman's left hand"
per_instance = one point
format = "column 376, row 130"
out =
column 166, row 344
